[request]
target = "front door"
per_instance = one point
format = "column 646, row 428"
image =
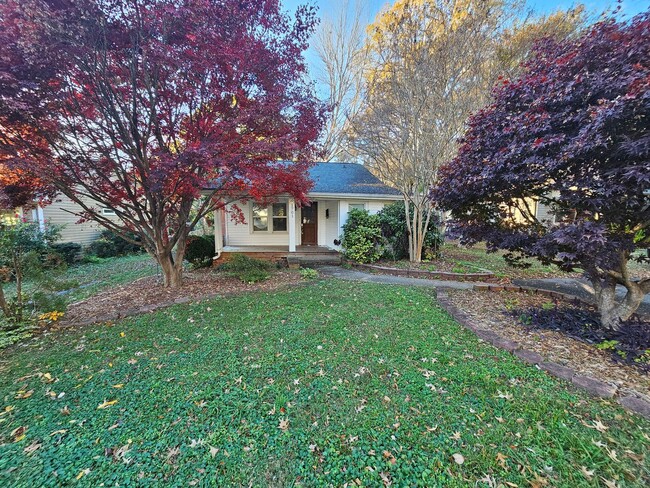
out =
column 310, row 225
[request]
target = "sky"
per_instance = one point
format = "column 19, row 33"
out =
column 329, row 8
column 629, row 7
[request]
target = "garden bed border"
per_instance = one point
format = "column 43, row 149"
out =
column 630, row 399
column 422, row 273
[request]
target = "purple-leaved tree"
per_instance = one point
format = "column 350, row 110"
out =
column 571, row 132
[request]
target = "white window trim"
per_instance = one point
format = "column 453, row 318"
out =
column 363, row 204
column 109, row 212
column 269, row 222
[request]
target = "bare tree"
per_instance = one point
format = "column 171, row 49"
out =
column 430, row 68
column 340, row 46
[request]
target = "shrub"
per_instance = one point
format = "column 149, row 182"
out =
column 110, row 245
column 200, row 251
column 25, row 253
column 122, row 246
column 308, row 273
column 102, row 248
column 69, row 251
column 392, row 220
column 362, row 238
column 247, row 269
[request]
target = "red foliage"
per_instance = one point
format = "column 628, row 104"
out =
column 573, row 132
column 144, row 103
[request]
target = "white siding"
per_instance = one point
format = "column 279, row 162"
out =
column 238, row 234
column 58, row 213
column 329, row 229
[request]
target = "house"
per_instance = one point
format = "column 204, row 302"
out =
column 282, row 230
column 60, row 212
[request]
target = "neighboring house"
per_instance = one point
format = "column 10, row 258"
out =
column 282, row 230
column 542, row 211
column 59, row 213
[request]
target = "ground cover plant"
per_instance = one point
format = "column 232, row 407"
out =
column 326, row 385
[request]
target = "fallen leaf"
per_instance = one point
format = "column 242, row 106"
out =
column 608, row 483
column 119, row 385
column 22, row 394
column 213, row 451
column 458, row 458
column 82, row 473
column 501, row 459
column 586, row 473
column 283, row 425
column 61, row 431
column 19, row 433
column 34, row 446
column 106, row 404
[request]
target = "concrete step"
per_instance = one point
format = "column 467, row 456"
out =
column 314, row 258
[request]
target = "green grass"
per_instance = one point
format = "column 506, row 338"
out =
column 477, row 256
column 84, row 280
column 92, row 278
column 376, row 382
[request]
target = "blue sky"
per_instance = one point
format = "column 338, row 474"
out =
column 629, row 7
column 329, row 8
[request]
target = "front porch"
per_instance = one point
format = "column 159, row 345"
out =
column 303, row 255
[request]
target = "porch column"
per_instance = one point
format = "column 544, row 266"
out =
column 218, row 232
column 292, row 225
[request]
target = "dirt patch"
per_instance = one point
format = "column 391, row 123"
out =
column 148, row 294
column 492, row 311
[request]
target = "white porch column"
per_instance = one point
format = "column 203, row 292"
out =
column 218, row 232
column 292, row 225
column 40, row 218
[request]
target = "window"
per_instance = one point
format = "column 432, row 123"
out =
column 260, row 218
column 280, row 217
column 357, row 206
column 108, row 211
column 276, row 213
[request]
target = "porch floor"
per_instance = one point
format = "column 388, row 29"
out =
column 285, row 249
column 303, row 254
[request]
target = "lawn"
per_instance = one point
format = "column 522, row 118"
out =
column 90, row 278
column 319, row 385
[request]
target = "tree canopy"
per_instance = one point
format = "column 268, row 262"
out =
column 573, row 131
column 139, row 105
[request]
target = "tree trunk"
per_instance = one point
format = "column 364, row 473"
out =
column 171, row 265
column 18, row 312
column 4, row 306
column 612, row 312
column 172, row 274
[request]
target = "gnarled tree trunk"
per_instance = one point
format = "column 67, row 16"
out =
column 613, row 311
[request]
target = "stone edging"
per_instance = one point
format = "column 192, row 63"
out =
column 631, row 399
column 530, row 289
column 422, row 273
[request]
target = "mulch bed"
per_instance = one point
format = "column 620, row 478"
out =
column 147, row 294
column 496, row 312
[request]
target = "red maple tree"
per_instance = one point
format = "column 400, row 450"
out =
column 145, row 103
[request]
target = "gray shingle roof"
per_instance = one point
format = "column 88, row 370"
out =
column 347, row 178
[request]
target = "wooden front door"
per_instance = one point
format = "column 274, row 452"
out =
column 310, row 225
